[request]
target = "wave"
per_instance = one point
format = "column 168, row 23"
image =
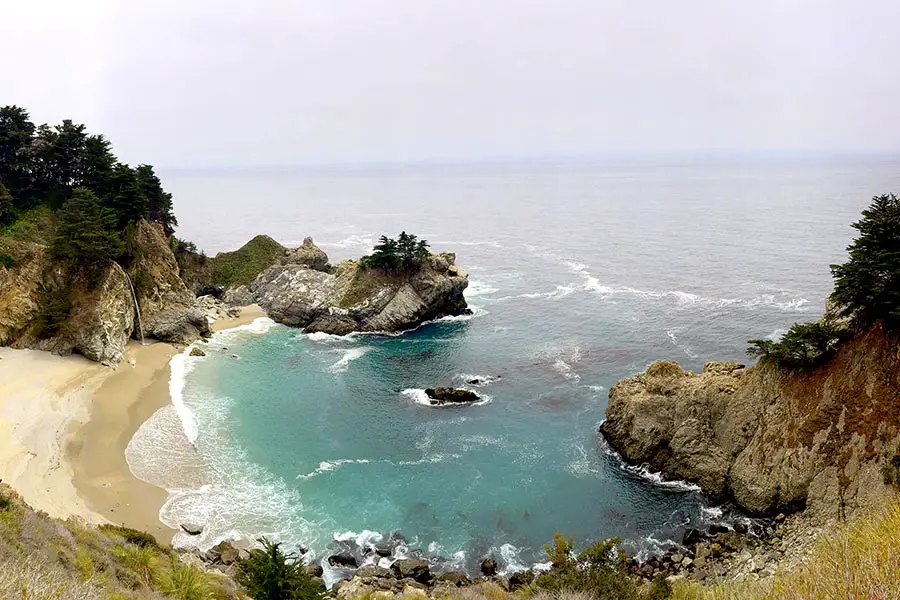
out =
column 327, row 466
column 477, row 380
column 478, row 288
column 681, row 298
column 348, row 356
column 179, row 367
column 683, row 347
column 644, row 473
column 321, row 336
column 366, row 240
column 419, row 396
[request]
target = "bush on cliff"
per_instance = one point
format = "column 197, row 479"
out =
column 6, row 205
column 270, row 574
column 600, row 570
column 867, row 286
column 804, row 346
column 404, row 254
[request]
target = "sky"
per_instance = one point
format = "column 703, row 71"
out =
column 202, row 83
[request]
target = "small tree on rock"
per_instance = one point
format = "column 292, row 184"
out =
column 270, row 574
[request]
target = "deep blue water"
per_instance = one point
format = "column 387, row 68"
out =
column 578, row 276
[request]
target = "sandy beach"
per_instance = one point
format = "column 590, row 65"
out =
column 65, row 423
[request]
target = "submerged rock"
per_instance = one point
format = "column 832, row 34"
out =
column 197, row 352
column 446, row 395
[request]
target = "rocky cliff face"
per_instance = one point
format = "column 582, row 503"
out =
column 53, row 305
column 771, row 440
column 169, row 310
column 304, row 291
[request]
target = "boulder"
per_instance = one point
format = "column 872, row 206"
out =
column 373, row 571
column 456, row 578
column 383, row 550
column 192, row 528
column 691, row 537
column 197, row 352
column 415, row 569
column 447, row 395
column 344, row 559
column 489, row 567
column 521, row 579
column 222, row 553
column 314, row 570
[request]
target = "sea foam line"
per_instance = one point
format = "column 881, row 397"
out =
column 644, row 473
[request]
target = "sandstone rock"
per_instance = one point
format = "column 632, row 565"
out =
column 348, row 298
column 446, row 395
column 489, row 567
column 373, row 571
column 453, row 577
column 197, row 352
column 415, row 569
column 768, row 438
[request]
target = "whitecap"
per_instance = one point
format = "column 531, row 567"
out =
column 330, row 338
column 330, row 465
column 478, row 288
column 477, row 380
column 258, row 326
column 364, row 539
column 348, row 356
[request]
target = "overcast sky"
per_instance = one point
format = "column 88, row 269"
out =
column 278, row 82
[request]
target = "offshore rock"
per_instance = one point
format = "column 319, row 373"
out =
column 309, row 255
column 348, row 298
column 446, row 395
column 770, row 439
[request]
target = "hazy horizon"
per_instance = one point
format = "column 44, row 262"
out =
column 274, row 83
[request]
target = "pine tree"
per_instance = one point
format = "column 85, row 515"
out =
column 867, row 286
column 270, row 574
column 6, row 205
column 86, row 230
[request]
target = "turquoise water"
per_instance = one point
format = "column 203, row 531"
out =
column 579, row 276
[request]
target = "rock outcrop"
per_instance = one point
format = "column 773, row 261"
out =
column 770, row 439
column 169, row 310
column 347, row 298
column 58, row 306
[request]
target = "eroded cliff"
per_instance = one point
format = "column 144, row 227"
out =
column 770, row 439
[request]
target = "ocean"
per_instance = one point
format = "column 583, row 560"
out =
column 579, row 275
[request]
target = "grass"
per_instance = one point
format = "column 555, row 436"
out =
column 29, row 580
column 143, row 561
column 231, row 269
column 132, row 536
column 186, row 582
column 860, row 560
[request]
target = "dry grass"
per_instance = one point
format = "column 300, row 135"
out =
column 30, row 580
column 861, row 561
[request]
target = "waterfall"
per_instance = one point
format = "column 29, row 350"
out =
column 137, row 307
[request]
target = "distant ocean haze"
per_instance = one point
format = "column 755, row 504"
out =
column 578, row 276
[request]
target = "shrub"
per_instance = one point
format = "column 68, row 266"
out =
column 54, row 311
column 270, row 574
column 599, row 570
column 804, row 346
column 867, row 286
column 132, row 536
column 6, row 260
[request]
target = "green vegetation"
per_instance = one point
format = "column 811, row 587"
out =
column 866, row 291
column 132, row 536
column 240, row 267
column 600, row 570
column 87, row 230
column 804, row 346
column 56, row 304
column 43, row 166
column 6, row 260
column 867, row 286
column 36, row 225
column 270, row 574
column 405, row 254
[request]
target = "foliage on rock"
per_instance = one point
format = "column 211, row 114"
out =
column 404, row 254
column 271, row 574
column 804, row 346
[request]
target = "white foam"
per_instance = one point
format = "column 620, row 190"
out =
column 683, row 347
column 419, row 396
column 646, row 474
column 366, row 240
column 180, row 366
column 321, row 336
column 478, row 288
column 364, row 539
column 509, row 555
column 481, row 380
column 258, row 326
column 326, row 466
column 348, row 356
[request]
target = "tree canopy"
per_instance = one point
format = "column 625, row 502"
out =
column 87, row 230
column 867, row 286
column 44, row 164
column 404, row 254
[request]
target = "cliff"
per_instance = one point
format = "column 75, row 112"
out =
column 303, row 290
column 770, row 439
column 58, row 305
